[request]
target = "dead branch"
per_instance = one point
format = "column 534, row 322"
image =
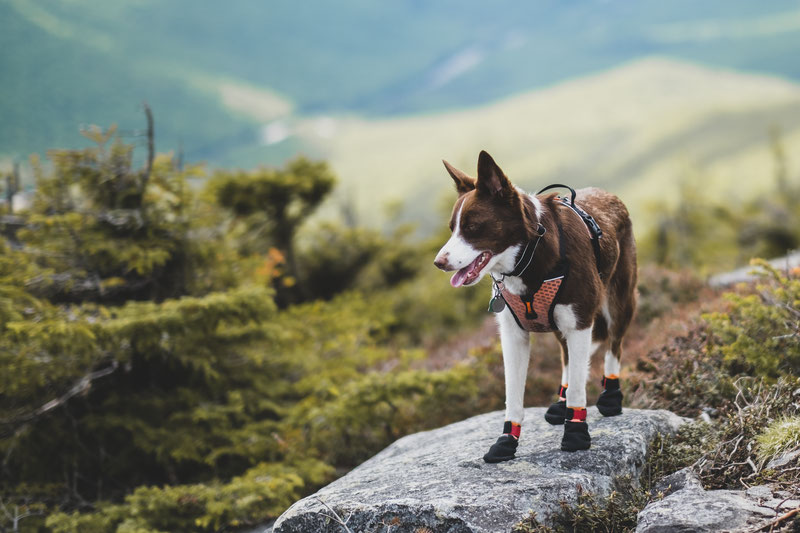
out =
column 80, row 386
column 777, row 521
column 336, row 518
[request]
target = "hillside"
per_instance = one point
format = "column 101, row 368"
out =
column 215, row 74
column 639, row 130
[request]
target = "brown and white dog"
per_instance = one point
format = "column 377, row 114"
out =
column 494, row 225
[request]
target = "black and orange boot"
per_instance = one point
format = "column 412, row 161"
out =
column 610, row 401
column 576, row 431
column 557, row 411
column 506, row 445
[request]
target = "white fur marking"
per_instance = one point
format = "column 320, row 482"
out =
column 565, row 375
column 578, row 343
column 611, row 366
column 606, row 314
column 459, row 253
column 565, row 319
column 538, row 208
column 516, row 353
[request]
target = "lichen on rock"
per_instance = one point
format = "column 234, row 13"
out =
column 438, row 480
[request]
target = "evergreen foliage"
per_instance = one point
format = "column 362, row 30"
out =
column 154, row 376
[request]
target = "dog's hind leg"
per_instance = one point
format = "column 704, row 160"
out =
column 619, row 312
column 516, row 353
column 579, row 345
column 557, row 411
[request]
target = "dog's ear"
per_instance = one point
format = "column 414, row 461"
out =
column 464, row 183
column 491, row 178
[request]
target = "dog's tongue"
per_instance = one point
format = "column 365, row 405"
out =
column 461, row 276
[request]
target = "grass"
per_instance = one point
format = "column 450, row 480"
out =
column 779, row 438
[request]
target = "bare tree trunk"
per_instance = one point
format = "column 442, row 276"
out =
column 150, row 148
column 12, row 187
column 180, row 156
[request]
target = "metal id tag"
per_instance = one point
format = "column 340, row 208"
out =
column 497, row 304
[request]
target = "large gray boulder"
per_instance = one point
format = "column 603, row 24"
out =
column 438, row 480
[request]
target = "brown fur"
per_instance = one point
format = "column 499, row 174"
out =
column 495, row 216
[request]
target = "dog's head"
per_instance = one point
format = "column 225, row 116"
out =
column 489, row 224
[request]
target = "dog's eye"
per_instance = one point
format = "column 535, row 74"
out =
column 471, row 227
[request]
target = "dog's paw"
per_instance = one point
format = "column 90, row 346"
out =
column 556, row 413
column 610, row 402
column 502, row 450
column 576, row 437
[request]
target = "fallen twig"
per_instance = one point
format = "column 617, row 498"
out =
column 336, row 518
column 777, row 521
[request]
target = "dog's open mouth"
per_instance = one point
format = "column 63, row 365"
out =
column 470, row 273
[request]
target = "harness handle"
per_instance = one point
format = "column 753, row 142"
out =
column 560, row 186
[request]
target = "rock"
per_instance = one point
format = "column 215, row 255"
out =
column 697, row 510
column 691, row 508
column 745, row 274
column 783, row 460
column 438, row 479
column 759, row 492
column 682, row 479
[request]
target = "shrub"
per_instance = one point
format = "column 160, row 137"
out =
column 762, row 330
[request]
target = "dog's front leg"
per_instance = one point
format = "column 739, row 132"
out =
column 579, row 344
column 516, row 353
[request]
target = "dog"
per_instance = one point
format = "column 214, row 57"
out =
column 566, row 265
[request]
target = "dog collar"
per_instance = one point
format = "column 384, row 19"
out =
column 527, row 254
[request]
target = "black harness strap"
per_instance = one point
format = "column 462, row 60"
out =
column 527, row 254
column 595, row 233
column 533, row 311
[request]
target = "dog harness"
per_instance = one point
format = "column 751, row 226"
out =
column 533, row 311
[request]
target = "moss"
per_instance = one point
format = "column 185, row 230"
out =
column 761, row 333
column 781, row 436
column 618, row 511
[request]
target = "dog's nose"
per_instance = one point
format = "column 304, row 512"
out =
column 441, row 262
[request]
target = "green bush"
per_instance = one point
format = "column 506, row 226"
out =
column 762, row 330
column 261, row 493
column 153, row 378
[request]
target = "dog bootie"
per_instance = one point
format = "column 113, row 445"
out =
column 610, row 401
column 506, row 445
column 576, row 431
column 557, row 411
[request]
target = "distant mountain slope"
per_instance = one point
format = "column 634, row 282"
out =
column 638, row 130
column 64, row 64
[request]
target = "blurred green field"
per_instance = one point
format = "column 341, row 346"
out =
column 641, row 130
column 216, row 74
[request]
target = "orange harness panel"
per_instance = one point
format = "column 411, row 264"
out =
column 534, row 312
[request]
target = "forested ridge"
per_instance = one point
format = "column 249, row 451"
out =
column 189, row 352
